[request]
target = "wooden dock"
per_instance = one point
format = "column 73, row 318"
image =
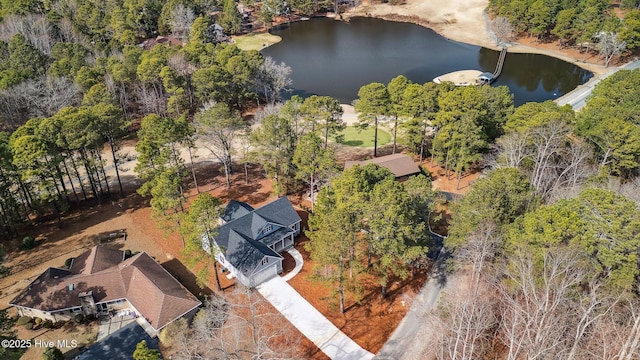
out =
column 503, row 55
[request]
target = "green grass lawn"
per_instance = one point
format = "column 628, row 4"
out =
column 353, row 136
column 256, row 41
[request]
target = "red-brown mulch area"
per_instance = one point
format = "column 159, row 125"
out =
column 256, row 192
column 371, row 321
column 573, row 52
column 288, row 263
column 449, row 184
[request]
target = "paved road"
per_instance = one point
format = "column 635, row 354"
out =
column 578, row 97
column 317, row 328
column 408, row 339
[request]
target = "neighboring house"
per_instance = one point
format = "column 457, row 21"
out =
column 249, row 241
column 101, row 282
column 401, row 165
column 160, row 40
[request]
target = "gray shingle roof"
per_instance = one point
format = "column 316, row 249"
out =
column 236, row 209
column 279, row 212
column 241, row 240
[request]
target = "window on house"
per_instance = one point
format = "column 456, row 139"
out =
column 267, row 229
column 265, row 260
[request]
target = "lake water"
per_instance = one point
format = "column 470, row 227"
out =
column 335, row 58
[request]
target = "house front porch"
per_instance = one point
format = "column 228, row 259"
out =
column 283, row 244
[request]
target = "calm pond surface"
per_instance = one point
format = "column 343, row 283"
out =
column 335, row 58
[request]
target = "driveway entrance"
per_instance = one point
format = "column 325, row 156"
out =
column 317, row 328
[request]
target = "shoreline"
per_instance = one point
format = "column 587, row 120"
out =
column 461, row 21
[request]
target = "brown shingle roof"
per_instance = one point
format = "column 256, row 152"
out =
column 399, row 164
column 157, row 295
column 150, row 43
column 97, row 259
column 151, row 286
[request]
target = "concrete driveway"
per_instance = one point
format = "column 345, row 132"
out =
column 120, row 344
column 109, row 325
column 317, row 328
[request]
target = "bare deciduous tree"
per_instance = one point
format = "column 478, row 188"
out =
column 630, row 188
column 552, row 160
column 184, row 69
column 610, row 45
column 151, row 102
column 478, row 252
column 464, row 324
column 181, row 20
column 218, row 126
column 266, row 111
column 615, row 334
column 243, row 327
column 513, row 149
column 47, row 95
column 272, row 79
column 13, row 111
column 36, row 29
column 41, row 97
column 536, row 315
column 469, row 314
column 502, row 29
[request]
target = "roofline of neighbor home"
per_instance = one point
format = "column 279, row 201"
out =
column 178, row 317
column 165, row 270
column 68, row 308
column 36, row 278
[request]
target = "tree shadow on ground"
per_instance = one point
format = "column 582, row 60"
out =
column 352, row 142
column 186, row 278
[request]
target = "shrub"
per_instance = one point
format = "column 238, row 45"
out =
column 67, row 263
column 127, row 254
column 52, row 353
column 143, row 352
column 4, row 271
column 78, row 318
column 28, row 326
column 37, row 321
column 47, row 324
column 169, row 334
column 58, row 324
column 28, row 243
column 23, row 320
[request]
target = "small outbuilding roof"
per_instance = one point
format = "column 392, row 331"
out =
column 486, row 76
column 399, row 164
column 160, row 40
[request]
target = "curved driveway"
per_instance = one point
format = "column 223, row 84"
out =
column 317, row 328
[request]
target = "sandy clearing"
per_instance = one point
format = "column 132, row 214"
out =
column 459, row 20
